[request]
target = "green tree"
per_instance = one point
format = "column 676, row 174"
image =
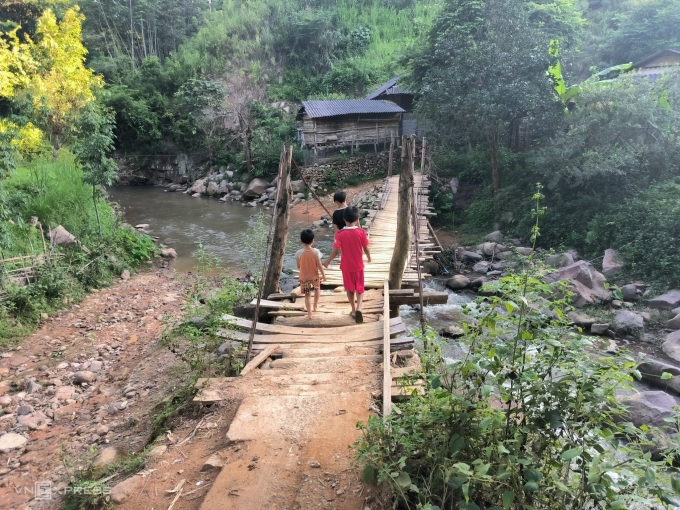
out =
column 619, row 138
column 483, row 69
column 95, row 142
column 645, row 28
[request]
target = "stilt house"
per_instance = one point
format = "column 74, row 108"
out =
column 347, row 123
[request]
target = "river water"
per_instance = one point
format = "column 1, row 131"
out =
column 186, row 223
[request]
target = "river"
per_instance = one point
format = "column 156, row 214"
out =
column 186, row 223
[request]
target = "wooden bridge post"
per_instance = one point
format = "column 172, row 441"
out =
column 403, row 238
column 278, row 249
column 422, row 157
column 391, row 157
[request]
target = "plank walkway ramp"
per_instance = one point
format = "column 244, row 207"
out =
column 312, row 381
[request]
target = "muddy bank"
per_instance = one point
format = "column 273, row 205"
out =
column 91, row 377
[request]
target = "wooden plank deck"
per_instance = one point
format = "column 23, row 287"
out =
column 329, row 370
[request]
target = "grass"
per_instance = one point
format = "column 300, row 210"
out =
column 55, row 194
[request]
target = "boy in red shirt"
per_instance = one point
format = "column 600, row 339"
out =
column 353, row 243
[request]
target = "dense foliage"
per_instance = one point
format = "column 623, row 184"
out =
column 524, row 421
column 527, row 419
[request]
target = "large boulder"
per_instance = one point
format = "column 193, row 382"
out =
column 481, row 267
column 427, row 266
column 612, row 263
column 671, row 345
column 212, row 189
column 559, row 260
column 580, row 319
column 490, row 249
column 495, row 237
column 121, row 493
column 11, row 441
column 297, row 186
column 649, row 408
column 256, row 188
column 587, row 283
column 674, row 323
column 198, row 187
column 59, row 236
column 469, row 256
column 224, row 188
column 628, row 323
column 652, row 371
column 667, row 301
column 458, row 282
column 629, row 292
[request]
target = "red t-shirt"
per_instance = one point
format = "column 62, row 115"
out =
column 351, row 241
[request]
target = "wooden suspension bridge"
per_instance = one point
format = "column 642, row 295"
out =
column 308, row 383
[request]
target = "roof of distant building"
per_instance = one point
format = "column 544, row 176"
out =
column 389, row 88
column 319, row 109
column 654, row 56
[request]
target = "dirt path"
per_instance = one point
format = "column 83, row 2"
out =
column 111, row 340
column 310, row 210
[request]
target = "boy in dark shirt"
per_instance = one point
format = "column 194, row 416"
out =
column 339, row 198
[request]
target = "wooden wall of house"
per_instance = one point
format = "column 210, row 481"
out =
column 348, row 130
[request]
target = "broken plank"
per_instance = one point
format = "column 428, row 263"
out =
column 280, row 329
column 370, row 331
column 429, row 298
column 257, row 360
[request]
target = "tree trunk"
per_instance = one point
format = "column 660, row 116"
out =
column 56, row 147
column 248, row 149
column 278, row 249
column 96, row 210
column 403, row 242
column 493, row 150
column 132, row 38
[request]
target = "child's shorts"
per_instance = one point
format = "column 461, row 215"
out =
column 353, row 281
column 308, row 286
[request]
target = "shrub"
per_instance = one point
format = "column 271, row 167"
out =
column 646, row 229
column 528, row 419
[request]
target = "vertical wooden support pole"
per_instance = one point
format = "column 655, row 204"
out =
column 387, row 376
column 422, row 157
column 391, row 157
column 375, row 145
column 273, row 275
column 315, row 146
column 403, row 238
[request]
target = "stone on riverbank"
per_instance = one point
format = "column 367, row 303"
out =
column 458, row 282
column 559, row 260
column 495, row 237
column 586, row 283
column 666, row 301
column 256, row 188
column 652, row 370
column 671, row 345
column 674, row 323
column 629, row 292
column 469, row 256
column 628, row 323
column 599, row 329
column 612, row 263
column 649, row 408
column 11, row 441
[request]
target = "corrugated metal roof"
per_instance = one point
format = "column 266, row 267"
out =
column 317, row 109
column 382, row 88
